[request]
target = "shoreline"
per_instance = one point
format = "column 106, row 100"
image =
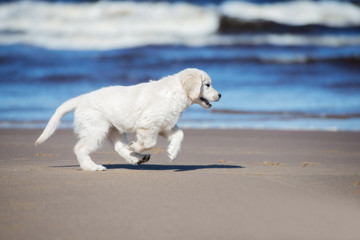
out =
column 69, row 126
column 251, row 184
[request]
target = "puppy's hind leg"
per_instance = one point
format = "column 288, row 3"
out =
column 91, row 129
column 120, row 145
column 84, row 147
column 145, row 140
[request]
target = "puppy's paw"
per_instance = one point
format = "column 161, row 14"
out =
column 93, row 167
column 172, row 156
column 173, row 153
column 144, row 159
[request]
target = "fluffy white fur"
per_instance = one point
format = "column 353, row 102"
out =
column 148, row 109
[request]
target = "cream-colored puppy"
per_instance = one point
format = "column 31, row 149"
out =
column 148, row 109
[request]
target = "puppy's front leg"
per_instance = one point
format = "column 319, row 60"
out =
column 175, row 137
column 145, row 139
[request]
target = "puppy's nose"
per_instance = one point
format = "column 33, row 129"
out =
column 219, row 95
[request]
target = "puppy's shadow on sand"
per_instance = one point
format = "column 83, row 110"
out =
column 162, row 167
column 176, row 168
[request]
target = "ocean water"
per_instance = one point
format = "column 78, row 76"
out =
column 277, row 64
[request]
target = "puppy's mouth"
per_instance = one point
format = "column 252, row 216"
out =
column 206, row 101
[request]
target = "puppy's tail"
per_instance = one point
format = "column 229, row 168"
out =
column 54, row 121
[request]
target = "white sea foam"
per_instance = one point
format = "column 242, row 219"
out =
column 292, row 40
column 104, row 24
column 109, row 25
column 328, row 13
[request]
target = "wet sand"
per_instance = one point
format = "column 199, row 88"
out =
column 226, row 184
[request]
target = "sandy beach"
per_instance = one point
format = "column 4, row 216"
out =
column 226, row 184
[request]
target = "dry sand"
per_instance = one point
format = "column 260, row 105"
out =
column 226, row 184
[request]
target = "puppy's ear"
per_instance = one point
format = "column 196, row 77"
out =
column 191, row 81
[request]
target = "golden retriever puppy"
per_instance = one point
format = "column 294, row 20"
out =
column 148, row 109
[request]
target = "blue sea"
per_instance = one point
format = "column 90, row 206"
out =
column 277, row 64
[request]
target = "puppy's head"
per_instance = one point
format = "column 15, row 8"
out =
column 197, row 85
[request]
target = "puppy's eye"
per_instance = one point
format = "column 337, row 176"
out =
column 208, row 85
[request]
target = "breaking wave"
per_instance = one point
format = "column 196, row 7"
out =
column 327, row 13
column 110, row 25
